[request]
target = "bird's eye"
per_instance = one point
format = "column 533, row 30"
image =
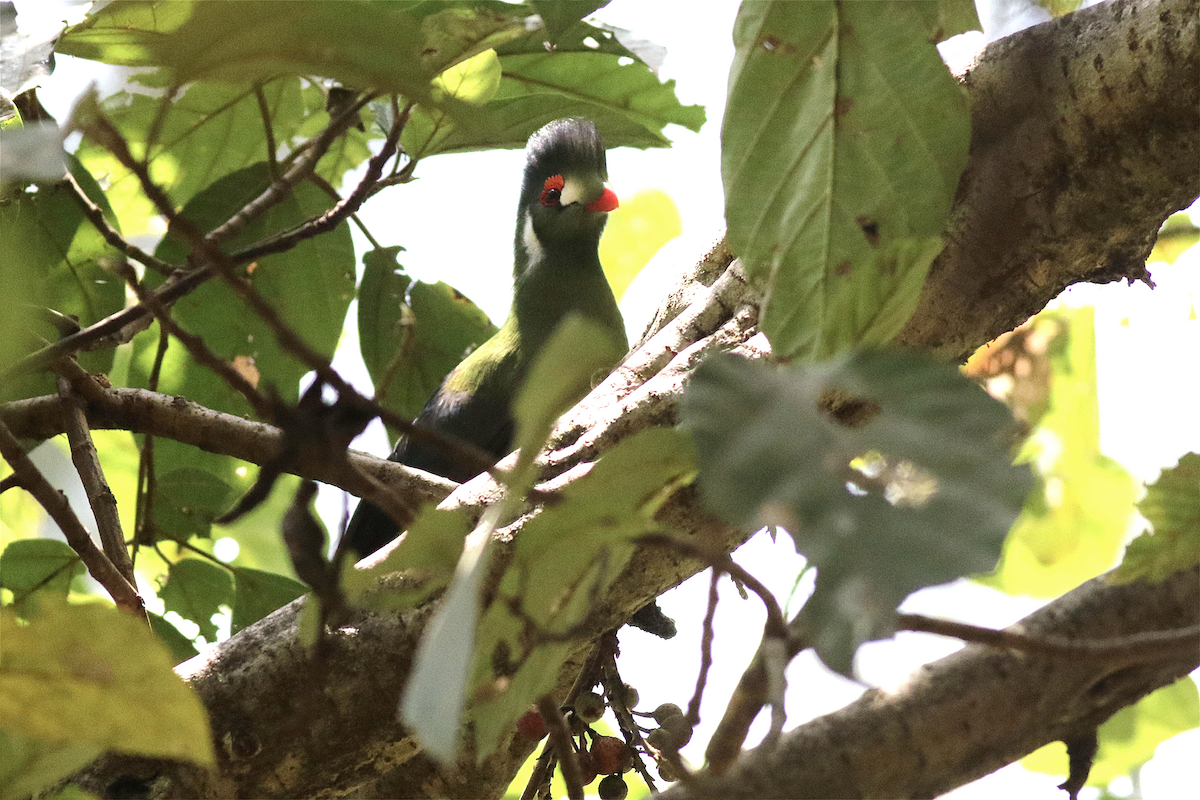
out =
column 552, row 191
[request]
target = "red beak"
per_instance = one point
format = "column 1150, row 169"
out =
column 607, row 201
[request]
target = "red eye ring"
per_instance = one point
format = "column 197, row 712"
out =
column 552, row 191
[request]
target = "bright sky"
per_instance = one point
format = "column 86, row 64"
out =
column 1148, row 402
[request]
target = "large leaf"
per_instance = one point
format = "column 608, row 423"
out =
column 390, row 47
column 626, row 100
column 412, row 333
column 205, row 133
column 647, row 221
column 914, row 488
column 843, row 140
column 258, row 593
column 92, row 675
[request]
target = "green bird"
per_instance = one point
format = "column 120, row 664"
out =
column 556, row 271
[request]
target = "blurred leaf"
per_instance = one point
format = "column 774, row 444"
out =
column 258, row 593
column 26, row 57
column 426, row 555
column 1128, row 739
column 1075, row 522
column 842, row 145
column 32, row 153
column 566, row 557
column 642, row 225
column 626, row 101
column 1176, row 235
column 1172, row 507
column 388, row 47
column 42, row 566
column 208, row 131
column 29, row 766
column 92, row 675
column 914, row 494
column 180, row 647
column 188, row 499
column 195, row 590
column 412, row 333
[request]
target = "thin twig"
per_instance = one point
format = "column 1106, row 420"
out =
column 95, row 215
column 199, row 350
column 264, row 111
column 706, row 643
column 91, row 474
column 55, row 502
column 1132, row 649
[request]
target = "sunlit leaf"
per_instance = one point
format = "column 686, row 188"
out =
column 41, row 566
column 258, row 593
column 93, row 675
column 195, row 590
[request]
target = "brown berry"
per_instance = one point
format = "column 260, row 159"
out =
column 681, row 731
column 666, row 772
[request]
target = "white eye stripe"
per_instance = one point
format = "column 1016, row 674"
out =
column 572, row 192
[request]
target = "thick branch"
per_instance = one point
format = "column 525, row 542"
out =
column 973, row 712
column 1084, row 138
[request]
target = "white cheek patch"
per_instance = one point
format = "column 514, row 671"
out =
column 533, row 248
column 572, row 192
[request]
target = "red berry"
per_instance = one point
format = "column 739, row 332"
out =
column 587, row 766
column 612, row 755
column 531, row 726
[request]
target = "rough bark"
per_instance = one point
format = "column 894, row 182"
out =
column 1085, row 139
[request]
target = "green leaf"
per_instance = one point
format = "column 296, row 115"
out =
column 565, row 557
column 558, row 16
column 92, row 675
column 28, row 766
column 1129, row 738
column 38, row 567
column 412, row 333
column 207, row 132
column 626, row 101
column 842, row 144
column 1076, row 520
column 388, row 47
column 258, row 593
column 916, row 490
column 188, row 499
column 181, row 647
column 646, row 222
column 1172, row 507
column 426, row 556
column 51, row 258
column 196, row 589
column 578, row 352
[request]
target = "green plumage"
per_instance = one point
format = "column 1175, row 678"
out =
column 556, row 271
